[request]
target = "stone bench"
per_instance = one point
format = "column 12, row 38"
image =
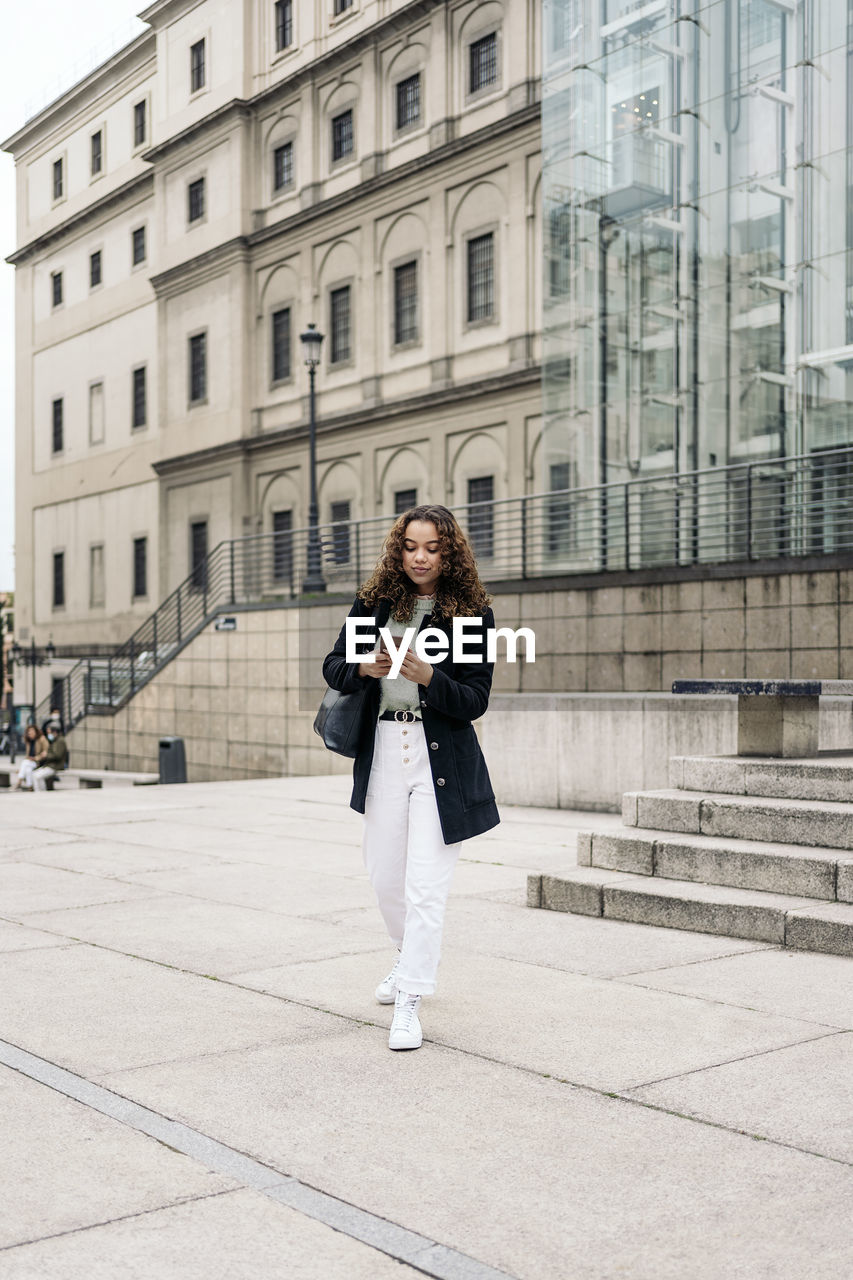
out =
column 775, row 717
column 84, row 778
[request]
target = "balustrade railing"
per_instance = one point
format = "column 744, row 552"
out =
column 785, row 507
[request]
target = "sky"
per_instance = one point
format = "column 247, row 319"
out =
column 47, row 47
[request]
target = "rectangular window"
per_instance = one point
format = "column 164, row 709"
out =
column 197, row 67
column 140, row 122
column 409, row 101
column 94, row 268
column 57, row 423
column 137, row 240
column 56, row 288
column 341, row 6
column 282, row 166
column 283, row 25
column 140, row 567
column 198, row 367
column 58, row 180
column 96, row 413
column 483, row 62
column 195, row 200
column 559, row 509
column 96, row 576
column 406, row 303
column 97, row 152
column 281, row 344
column 404, row 500
column 140, row 398
column 339, row 327
column 342, row 136
column 481, row 520
column 481, row 278
column 282, row 552
column 198, row 554
column 340, row 532
column 59, row 579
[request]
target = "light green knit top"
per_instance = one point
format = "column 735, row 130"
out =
column 401, row 694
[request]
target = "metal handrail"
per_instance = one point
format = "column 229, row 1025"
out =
column 778, row 507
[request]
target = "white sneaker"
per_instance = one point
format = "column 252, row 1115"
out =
column 386, row 992
column 406, row 1030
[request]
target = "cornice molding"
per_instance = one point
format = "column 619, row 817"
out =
column 42, row 118
column 237, row 107
column 509, row 124
column 140, row 186
column 352, row 420
column 203, row 267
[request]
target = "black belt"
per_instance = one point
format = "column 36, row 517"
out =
column 402, row 717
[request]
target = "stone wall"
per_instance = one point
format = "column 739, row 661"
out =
column 244, row 700
column 605, row 638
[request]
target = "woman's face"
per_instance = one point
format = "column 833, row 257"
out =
column 422, row 555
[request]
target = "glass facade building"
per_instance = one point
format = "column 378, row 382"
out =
column 698, row 292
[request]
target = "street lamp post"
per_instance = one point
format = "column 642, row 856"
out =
column 312, row 341
column 32, row 658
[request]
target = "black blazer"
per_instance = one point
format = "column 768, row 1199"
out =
column 456, row 695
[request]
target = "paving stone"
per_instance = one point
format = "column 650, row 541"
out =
column 792, row 984
column 243, row 1235
column 26, row 888
column 688, row 1195
column 204, row 937
column 64, row 1166
column 93, row 1011
column 765, row 1095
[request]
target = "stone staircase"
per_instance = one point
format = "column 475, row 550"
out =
column 745, row 847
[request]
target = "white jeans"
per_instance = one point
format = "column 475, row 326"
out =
column 26, row 769
column 409, row 865
column 41, row 776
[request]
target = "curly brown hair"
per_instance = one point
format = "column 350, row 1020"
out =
column 459, row 591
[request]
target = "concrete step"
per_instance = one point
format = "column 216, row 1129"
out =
column 826, row 824
column 828, row 776
column 677, row 904
column 741, row 864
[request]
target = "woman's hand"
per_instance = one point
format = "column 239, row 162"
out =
column 379, row 667
column 415, row 669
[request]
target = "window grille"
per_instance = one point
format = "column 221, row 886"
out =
column 197, row 66
column 283, row 166
column 341, row 532
column 140, row 567
column 198, row 367
column 281, row 344
column 406, row 302
column 481, row 278
column 409, row 101
column 340, row 328
column 283, row 25
column 342, row 136
column 483, row 64
column 481, row 520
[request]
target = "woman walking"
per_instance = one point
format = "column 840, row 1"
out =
column 419, row 776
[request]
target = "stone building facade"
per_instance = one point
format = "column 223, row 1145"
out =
column 242, row 169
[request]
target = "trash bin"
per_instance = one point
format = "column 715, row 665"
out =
column 173, row 760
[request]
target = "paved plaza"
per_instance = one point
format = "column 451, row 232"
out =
column 195, row 1079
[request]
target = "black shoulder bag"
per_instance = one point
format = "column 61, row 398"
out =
column 340, row 718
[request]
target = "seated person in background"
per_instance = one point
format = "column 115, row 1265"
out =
column 53, row 759
column 35, row 746
column 55, row 718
